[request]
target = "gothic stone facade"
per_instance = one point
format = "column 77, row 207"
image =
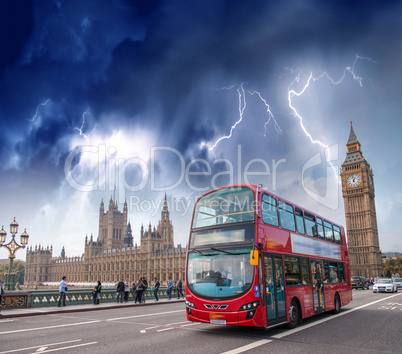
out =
column 113, row 256
column 361, row 220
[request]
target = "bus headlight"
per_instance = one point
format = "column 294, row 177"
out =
column 190, row 304
column 250, row 307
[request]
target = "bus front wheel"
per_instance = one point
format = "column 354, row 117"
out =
column 294, row 314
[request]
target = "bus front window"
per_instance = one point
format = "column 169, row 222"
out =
column 220, row 273
column 224, row 206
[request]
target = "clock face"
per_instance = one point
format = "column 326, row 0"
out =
column 353, row 180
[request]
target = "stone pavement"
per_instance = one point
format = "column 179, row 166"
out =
column 45, row 310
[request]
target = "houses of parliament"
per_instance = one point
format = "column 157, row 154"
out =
column 112, row 256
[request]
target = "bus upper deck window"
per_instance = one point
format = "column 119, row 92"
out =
column 269, row 210
column 329, row 235
column 287, row 216
column 311, row 228
column 320, row 229
column 299, row 220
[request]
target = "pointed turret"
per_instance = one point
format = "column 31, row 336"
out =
column 352, row 136
column 353, row 148
column 128, row 239
column 165, row 210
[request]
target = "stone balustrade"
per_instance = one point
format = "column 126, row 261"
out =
column 74, row 296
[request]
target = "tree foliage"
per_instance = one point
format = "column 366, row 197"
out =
column 18, row 268
column 393, row 265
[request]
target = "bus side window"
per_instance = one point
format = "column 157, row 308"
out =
column 310, row 225
column 320, row 229
column 326, row 272
column 333, row 272
column 341, row 272
column 337, row 233
column 287, row 216
column 305, row 271
column 299, row 220
column 269, row 210
column 329, row 235
column 292, row 270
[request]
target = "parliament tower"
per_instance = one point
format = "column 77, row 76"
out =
column 361, row 220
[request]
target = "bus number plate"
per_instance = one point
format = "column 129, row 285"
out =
column 221, row 322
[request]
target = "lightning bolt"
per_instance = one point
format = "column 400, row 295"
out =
column 242, row 106
column 291, row 94
column 270, row 115
column 311, row 78
column 37, row 110
column 86, row 136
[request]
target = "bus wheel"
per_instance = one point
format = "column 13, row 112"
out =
column 337, row 303
column 293, row 314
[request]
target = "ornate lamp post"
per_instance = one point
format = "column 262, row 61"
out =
column 12, row 247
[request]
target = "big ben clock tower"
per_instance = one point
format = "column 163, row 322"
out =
column 360, row 214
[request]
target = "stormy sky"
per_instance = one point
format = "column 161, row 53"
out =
column 133, row 99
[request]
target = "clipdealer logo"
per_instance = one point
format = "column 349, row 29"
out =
column 331, row 197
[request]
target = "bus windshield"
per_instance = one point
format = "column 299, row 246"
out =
column 219, row 272
column 228, row 205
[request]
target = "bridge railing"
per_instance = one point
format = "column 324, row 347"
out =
column 38, row 298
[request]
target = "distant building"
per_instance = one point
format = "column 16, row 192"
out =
column 360, row 214
column 112, row 256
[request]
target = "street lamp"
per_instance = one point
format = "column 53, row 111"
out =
column 12, row 247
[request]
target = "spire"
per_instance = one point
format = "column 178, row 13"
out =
column 165, row 205
column 128, row 239
column 352, row 135
column 353, row 148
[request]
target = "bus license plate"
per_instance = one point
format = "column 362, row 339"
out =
column 222, row 322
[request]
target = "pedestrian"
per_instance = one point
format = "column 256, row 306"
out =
column 1, row 294
column 179, row 286
column 94, row 294
column 144, row 292
column 169, row 288
column 134, row 290
column 126, row 290
column 120, row 291
column 62, row 290
column 157, row 284
column 140, row 289
column 98, row 292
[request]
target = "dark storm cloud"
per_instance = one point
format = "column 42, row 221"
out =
column 193, row 44
column 153, row 62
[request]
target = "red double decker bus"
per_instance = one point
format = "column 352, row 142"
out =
column 255, row 259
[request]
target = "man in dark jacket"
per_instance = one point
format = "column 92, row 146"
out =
column 120, row 290
column 144, row 281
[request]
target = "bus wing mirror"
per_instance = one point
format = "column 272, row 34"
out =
column 254, row 258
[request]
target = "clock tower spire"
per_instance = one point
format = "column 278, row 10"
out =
column 360, row 214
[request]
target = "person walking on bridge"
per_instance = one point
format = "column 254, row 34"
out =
column 140, row 290
column 169, row 288
column 62, row 291
column 157, row 284
column 120, row 291
column 126, row 290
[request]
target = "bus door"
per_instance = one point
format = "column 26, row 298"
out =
column 318, row 286
column 274, row 289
